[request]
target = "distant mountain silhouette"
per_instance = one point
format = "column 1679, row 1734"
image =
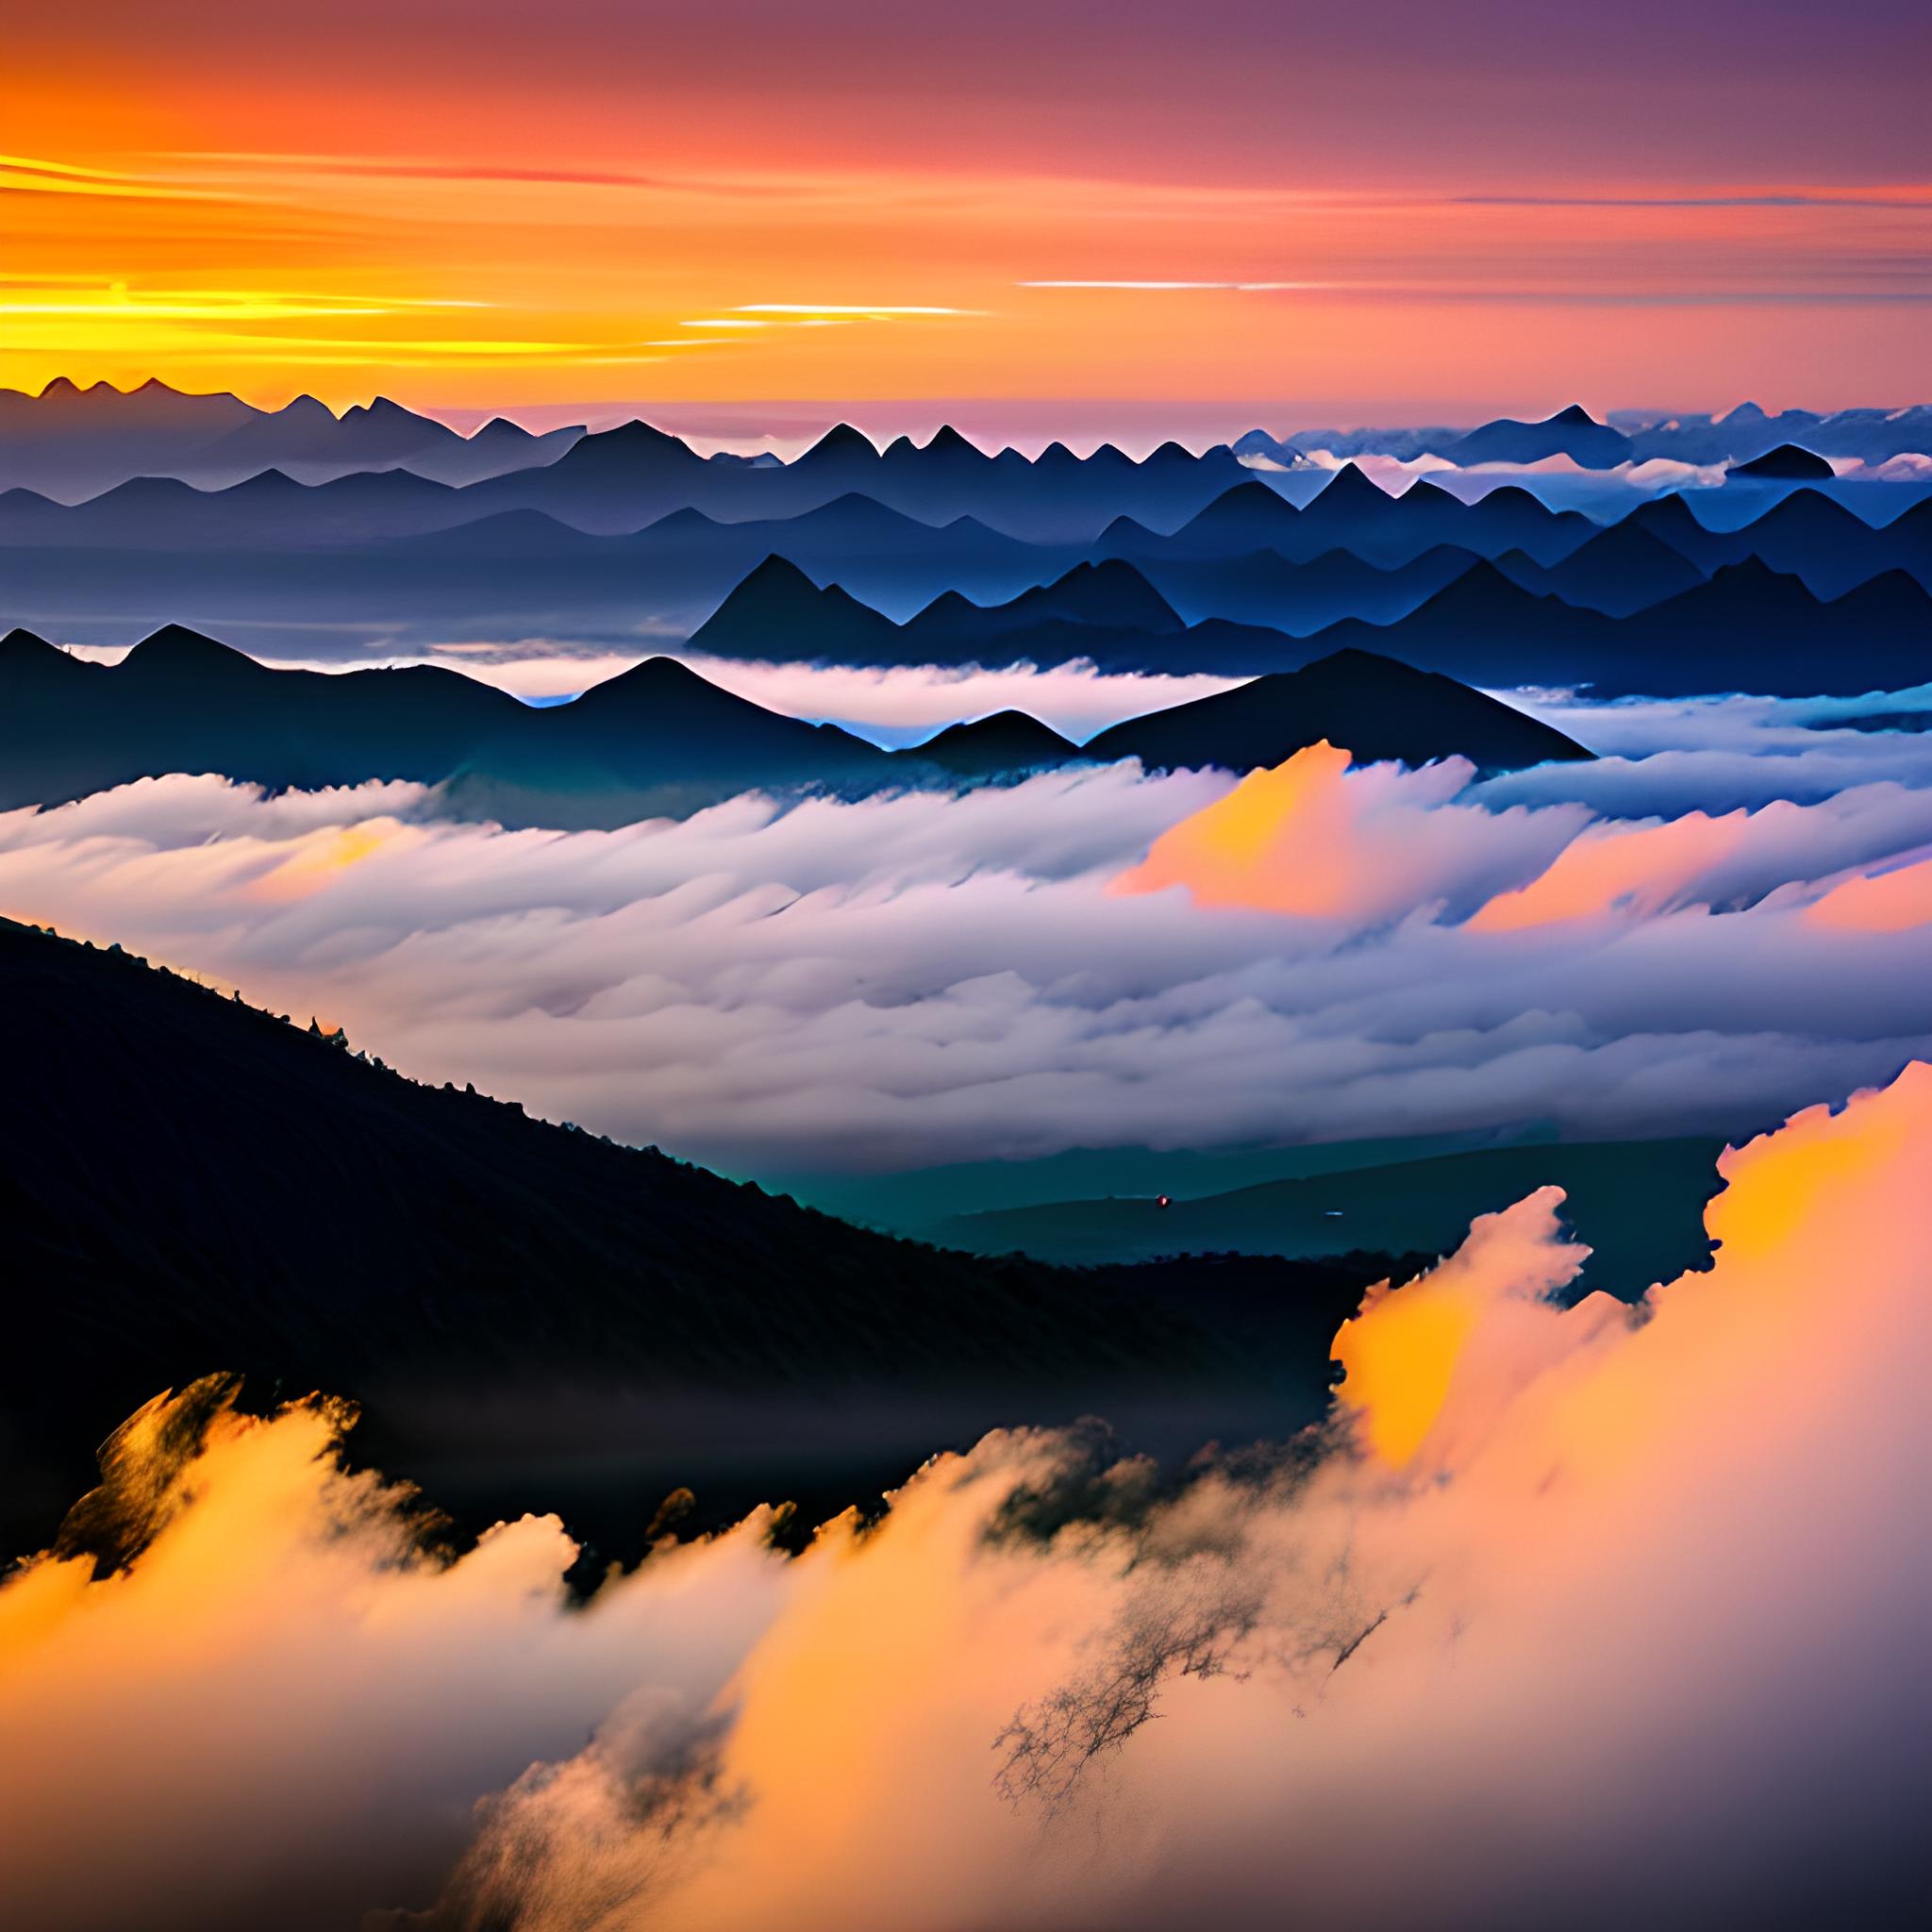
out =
column 1295, row 449
column 1008, row 742
column 180, row 702
column 687, row 562
column 1197, row 561
column 1671, row 521
column 778, row 613
column 1625, row 570
column 1804, row 534
column 1110, row 596
column 270, row 512
column 1353, row 513
column 1251, row 516
column 72, row 442
column 1747, row 629
column 1263, row 588
column 657, row 737
column 1425, row 1204
column 660, row 724
column 1787, row 463
column 655, row 740
column 190, row 1185
column 1375, row 707
column 617, row 480
column 1746, row 432
column 1572, row 432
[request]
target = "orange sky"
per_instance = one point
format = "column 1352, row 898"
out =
column 459, row 206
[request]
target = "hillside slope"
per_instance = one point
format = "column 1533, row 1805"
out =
column 189, row 1185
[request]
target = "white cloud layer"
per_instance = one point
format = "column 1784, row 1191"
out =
column 920, row 978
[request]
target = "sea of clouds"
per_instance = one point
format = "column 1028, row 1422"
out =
column 1698, row 937
column 1595, row 1615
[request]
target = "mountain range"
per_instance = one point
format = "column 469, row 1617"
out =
column 616, row 480
column 72, row 441
column 1739, row 435
column 1747, row 628
column 1248, row 584
column 656, row 738
column 944, row 553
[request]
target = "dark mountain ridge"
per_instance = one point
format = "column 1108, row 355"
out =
column 1105, row 612
column 1748, row 628
column 1005, row 741
column 190, row 1185
column 181, row 702
column 656, row 738
column 1374, row 707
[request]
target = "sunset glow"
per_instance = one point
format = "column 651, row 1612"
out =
column 425, row 204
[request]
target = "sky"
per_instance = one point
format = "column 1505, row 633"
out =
column 1394, row 210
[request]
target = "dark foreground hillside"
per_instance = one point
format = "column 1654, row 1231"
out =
column 533, row 1317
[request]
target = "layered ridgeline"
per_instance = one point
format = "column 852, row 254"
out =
column 632, row 528
column 617, row 479
column 190, row 1185
column 1747, row 628
column 1735, row 438
column 75, row 439
column 656, row 738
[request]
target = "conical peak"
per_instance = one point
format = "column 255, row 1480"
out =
column 175, row 648
column 777, row 574
column 1250, row 496
column 1350, row 484
column 841, row 439
column 623, row 437
column 946, row 441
